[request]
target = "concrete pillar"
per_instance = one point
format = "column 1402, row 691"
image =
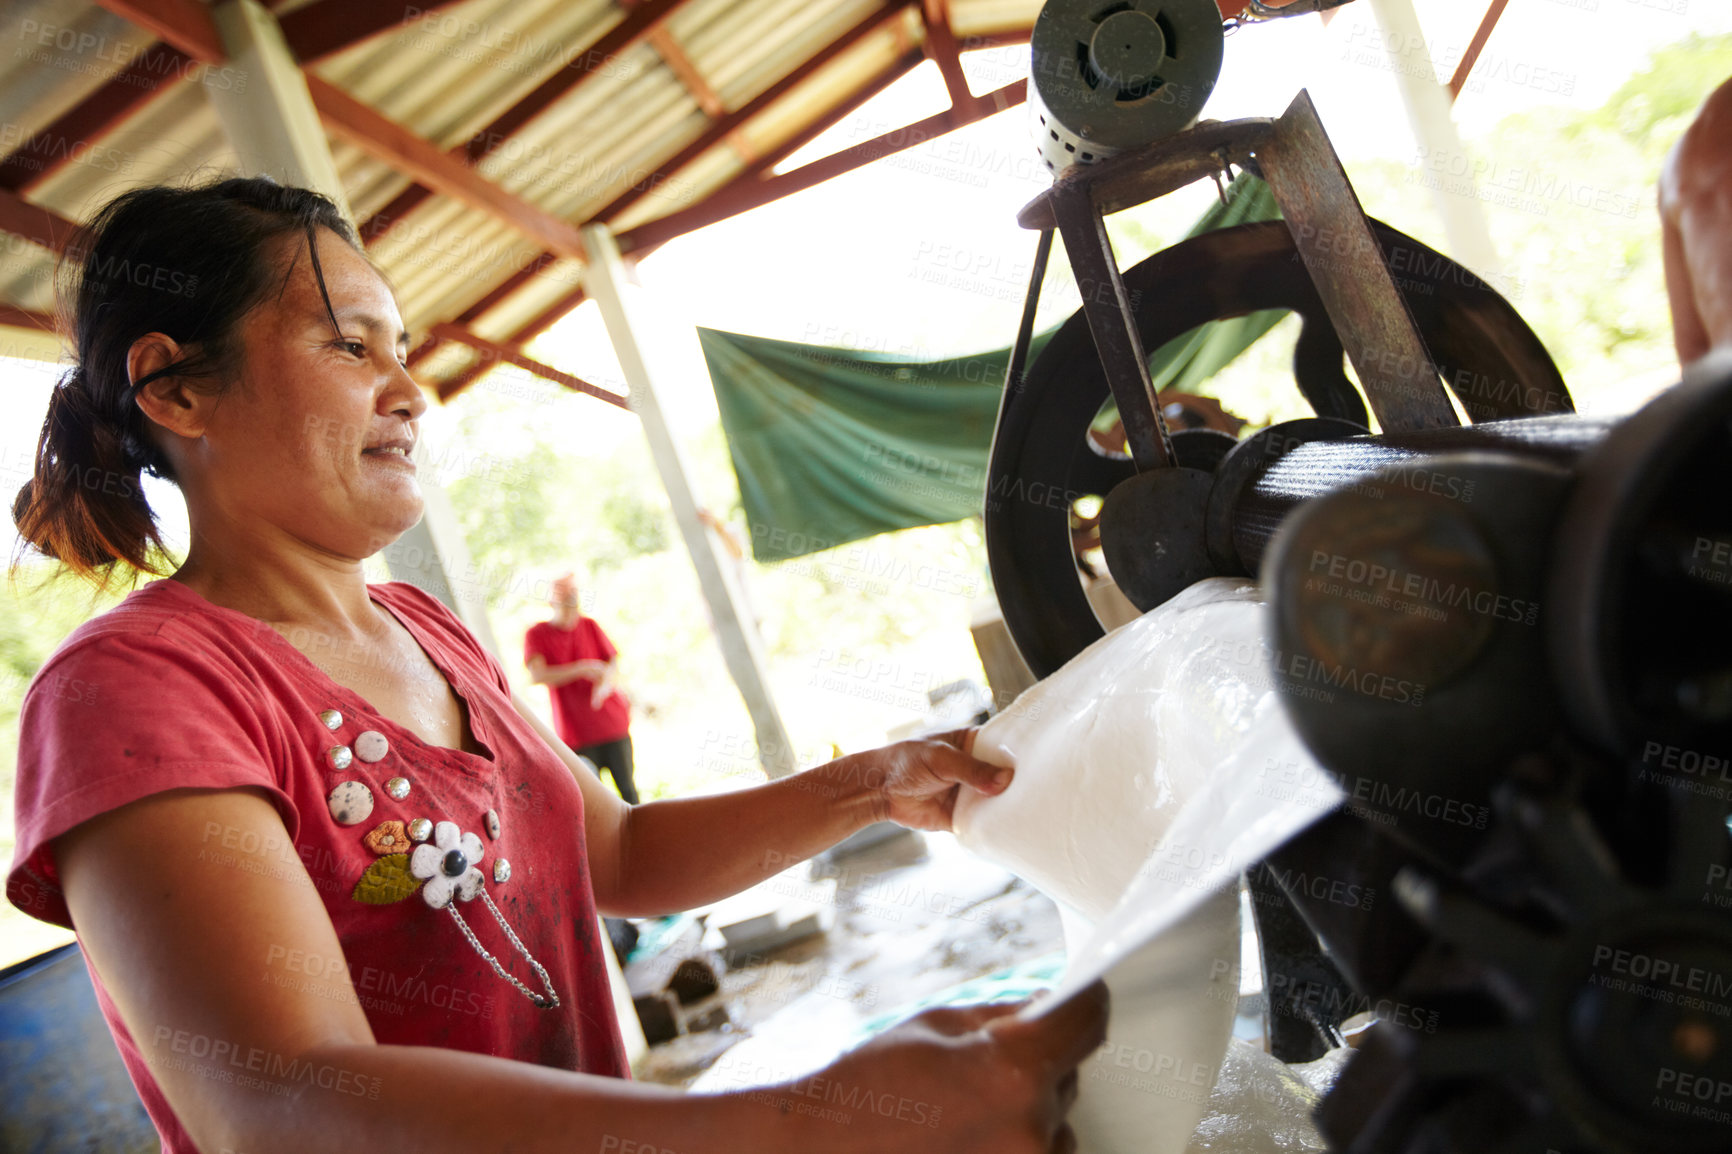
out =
column 605, row 282
column 1429, row 111
column 275, row 131
column 270, row 121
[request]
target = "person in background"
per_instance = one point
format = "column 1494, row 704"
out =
column 1696, row 224
column 580, row 667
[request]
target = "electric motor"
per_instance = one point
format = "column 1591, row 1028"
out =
column 1111, row 76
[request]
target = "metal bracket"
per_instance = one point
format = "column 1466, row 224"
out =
column 1113, row 324
column 1353, row 278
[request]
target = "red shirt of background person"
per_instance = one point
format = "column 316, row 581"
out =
column 580, row 667
column 271, row 390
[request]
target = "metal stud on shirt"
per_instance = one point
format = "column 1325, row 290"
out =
column 420, row 829
column 332, row 719
column 398, row 787
column 351, row 803
column 371, row 746
column 340, row 757
column 492, row 823
column 501, row 870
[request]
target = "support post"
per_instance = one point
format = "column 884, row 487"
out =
column 270, row 121
column 276, row 132
column 605, row 281
column 1429, row 112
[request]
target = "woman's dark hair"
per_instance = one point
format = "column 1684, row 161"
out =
column 186, row 262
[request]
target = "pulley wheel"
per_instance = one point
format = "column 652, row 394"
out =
column 1043, row 461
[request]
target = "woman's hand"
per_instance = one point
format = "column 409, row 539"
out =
column 954, row 1081
column 918, row 781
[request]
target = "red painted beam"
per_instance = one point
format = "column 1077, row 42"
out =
column 639, row 22
column 421, row 351
column 74, row 132
column 719, row 131
column 496, row 351
column 551, row 315
column 35, row 223
column 941, row 49
column 713, row 135
column 450, row 388
column 325, row 28
column 1475, row 47
column 389, row 141
column 676, row 59
column 186, row 24
column 21, row 318
column 741, row 195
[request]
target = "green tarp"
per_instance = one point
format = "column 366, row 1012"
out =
column 833, row 445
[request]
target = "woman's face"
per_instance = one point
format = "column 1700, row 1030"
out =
column 313, row 438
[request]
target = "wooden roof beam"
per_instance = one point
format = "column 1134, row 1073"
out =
column 319, row 30
column 493, row 352
column 1475, row 47
column 553, row 313
column 73, row 133
column 693, row 81
column 22, row 318
column 741, row 116
column 638, row 23
column 743, row 195
column 187, row 25
column 420, row 158
column 676, row 59
column 327, row 27
column 556, row 311
column 940, row 47
column 35, row 223
column 715, row 134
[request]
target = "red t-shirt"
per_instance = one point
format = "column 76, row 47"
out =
column 168, row 690
column 576, row 723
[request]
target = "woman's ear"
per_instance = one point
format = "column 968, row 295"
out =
column 166, row 400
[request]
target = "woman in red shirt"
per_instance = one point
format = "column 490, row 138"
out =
column 338, row 891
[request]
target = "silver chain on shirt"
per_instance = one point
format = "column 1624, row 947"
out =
column 551, row 1000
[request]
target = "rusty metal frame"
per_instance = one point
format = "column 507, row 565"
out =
column 1330, row 231
column 1351, row 273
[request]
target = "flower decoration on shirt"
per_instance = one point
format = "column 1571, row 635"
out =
column 448, row 865
column 388, row 837
column 440, row 868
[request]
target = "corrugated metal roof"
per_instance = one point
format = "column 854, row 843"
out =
column 449, row 75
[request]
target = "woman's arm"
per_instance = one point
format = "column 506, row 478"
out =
column 187, row 945
column 684, row 852
column 674, row 854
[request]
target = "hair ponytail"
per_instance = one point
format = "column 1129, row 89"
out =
column 84, row 505
column 186, row 262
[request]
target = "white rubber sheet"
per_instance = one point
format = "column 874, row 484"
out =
column 1148, row 773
